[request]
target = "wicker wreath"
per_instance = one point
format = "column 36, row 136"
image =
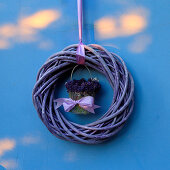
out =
column 98, row 58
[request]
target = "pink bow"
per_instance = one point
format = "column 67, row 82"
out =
column 87, row 103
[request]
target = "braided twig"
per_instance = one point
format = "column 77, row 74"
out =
column 98, row 58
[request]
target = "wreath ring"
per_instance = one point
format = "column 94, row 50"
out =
column 98, row 58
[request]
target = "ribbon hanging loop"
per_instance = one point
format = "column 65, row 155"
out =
column 80, row 54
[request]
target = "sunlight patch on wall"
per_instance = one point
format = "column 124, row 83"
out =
column 40, row 19
column 129, row 23
column 46, row 45
column 8, row 30
column 26, row 35
column 9, row 164
column 27, row 28
column 6, row 145
column 27, row 140
column 70, row 156
column 4, row 44
column 140, row 44
column 17, row 33
column 106, row 27
column 132, row 24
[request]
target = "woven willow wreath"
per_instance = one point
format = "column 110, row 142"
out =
column 98, row 58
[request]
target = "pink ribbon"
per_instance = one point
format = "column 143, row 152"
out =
column 80, row 55
column 87, row 103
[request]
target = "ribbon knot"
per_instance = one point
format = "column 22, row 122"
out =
column 87, row 103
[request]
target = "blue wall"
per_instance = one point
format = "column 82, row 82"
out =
column 30, row 31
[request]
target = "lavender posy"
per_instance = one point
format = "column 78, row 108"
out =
column 78, row 89
column 82, row 85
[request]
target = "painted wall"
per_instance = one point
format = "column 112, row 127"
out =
column 30, row 31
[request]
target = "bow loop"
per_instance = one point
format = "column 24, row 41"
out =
column 87, row 103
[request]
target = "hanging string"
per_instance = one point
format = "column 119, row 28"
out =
column 80, row 55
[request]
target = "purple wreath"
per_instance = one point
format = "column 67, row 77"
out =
column 98, row 58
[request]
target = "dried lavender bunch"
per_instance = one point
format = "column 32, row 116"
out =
column 82, row 85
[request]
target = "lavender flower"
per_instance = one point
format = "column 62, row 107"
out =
column 82, row 85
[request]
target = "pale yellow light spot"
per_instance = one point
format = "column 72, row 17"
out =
column 6, row 145
column 40, row 19
column 129, row 23
column 17, row 33
column 8, row 30
column 27, row 28
column 27, row 140
column 26, row 31
column 106, row 26
column 4, row 44
column 70, row 156
column 140, row 43
column 132, row 23
column 46, row 45
column 26, row 34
